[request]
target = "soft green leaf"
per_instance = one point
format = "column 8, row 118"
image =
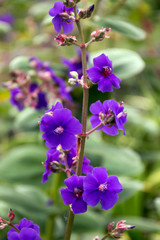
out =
column 28, row 119
column 21, row 63
column 117, row 160
column 126, row 63
column 130, row 187
column 122, row 27
column 40, row 9
column 23, row 164
column 157, row 204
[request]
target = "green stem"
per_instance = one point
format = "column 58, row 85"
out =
column 84, row 120
column 105, row 236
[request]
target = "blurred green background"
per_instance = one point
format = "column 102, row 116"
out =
column 134, row 48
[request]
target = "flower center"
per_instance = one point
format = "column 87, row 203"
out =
column 102, row 187
column 59, row 130
column 78, row 192
column 106, row 71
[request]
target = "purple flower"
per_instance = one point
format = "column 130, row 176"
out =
column 99, row 187
column 102, row 72
column 28, row 231
column 75, row 64
column 7, row 18
column 62, row 17
column 16, row 97
column 60, row 127
column 41, row 101
column 73, row 194
column 110, row 111
column 54, row 157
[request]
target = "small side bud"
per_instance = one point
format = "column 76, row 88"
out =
column 64, row 40
column 95, row 238
column 74, row 74
column 55, row 167
column 100, row 34
column 2, row 226
column 72, row 81
column 11, row 215
column 110, row 226
column 69, row 3
column 86, row 13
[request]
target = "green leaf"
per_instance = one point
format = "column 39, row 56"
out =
column 122, row 27
column 21, row 63
column 39, row 10
column 27, row 120
column 4, row 27
column 130, row 188
column 157, row 203
column 26, row 201
column 126, row 63
column 23, row 164
column 117, row 161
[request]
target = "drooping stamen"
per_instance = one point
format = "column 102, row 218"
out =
column 106, row 71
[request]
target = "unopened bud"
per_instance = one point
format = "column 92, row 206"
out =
column 55, row 167
column 95, row 238
column 64, row 15
column 64, row 40
column 86, row 13
column 100, row 34
column 44, row 75
column 74, row 74
column 69, row 3
column 72, row 81
column 110, row 226
column 2, row 226
column 11, row 214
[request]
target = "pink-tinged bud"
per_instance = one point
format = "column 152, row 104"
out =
column 64, row 40
column 64, row 15
column 122, row 226
column 86, row 13
column 46, row 76
column 95, row 238
column 100, row 34
column 110, row 226
column 11, row 214
column 2, row 226
column 69, row 3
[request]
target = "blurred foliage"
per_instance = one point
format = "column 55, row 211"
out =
column 134, row 49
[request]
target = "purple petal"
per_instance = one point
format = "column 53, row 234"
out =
column 67, row 141
column 47, row 123
column 57, row 8
column 108, row 199
column 100, row 173
column 102, row 61
column 114, row 185
column 73, row 126
column 62, row 116
column 79, row 206
column 90, row 183
column 94, row 74
column 52, row 139
column 67, row 27
column 105, row 85
column 13, row 235
column 110, row 130
column 91, row 197
column 96, row 107
column 115, row 80
column 28, row 234
column 67, row 196
column 71, row 182
column 57, row 22
column 95, row 121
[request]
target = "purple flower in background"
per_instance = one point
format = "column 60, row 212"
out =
column 99, row 187
column 60, row 127
column 15, row 98
column 102, row 72
column 75, row 64
column 28, row 231
column 62, row 17
column 7, row 18
column 50, row 163
column 111, row 112
column 41, row 101
column 73, row 194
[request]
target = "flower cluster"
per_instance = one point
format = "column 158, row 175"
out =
column 37, row 88
column 27, row 230
column 95, row 187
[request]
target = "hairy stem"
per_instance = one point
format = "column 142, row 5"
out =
column 84, row 120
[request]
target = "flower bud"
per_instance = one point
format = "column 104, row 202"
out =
column 100, row 34
column 110, row 226
column 74, row 74
column 2, row 226
column 72, row 81
column 64, row 40
column 69, row 3
column 55, row 167
column 11, row 214
column 86, row 13
column 95, row 238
